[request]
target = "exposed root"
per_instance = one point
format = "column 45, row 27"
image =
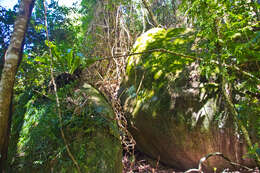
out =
column 203, row 159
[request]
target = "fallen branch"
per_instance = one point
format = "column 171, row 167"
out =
column 185, row 56
column 203, row 159
column 150, row 51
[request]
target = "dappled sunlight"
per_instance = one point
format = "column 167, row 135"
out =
column 136, row 86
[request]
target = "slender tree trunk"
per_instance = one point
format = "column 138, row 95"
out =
column 154, row 20
column 13, row 57
column 174, row 9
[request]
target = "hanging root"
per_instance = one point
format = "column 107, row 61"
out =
column 203, row 159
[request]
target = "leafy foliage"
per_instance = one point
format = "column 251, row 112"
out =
column 226, row 33
column 223, row 33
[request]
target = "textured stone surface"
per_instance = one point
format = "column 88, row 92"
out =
column 173, row 116
column 90, row 129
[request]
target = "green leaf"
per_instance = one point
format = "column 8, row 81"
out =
column 39, row 27
column 41, row 59
column 49, row 44
column 158, row 74
column 69, row 58
column 236, row 35
column 75, row 65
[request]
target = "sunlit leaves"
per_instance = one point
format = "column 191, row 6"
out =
column 65, row 60
column 39, row 28
column 226, row 34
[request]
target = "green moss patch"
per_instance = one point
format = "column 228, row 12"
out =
column 90, row 129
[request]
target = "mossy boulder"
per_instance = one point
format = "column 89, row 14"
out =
column 90, row 129
column 173, row 115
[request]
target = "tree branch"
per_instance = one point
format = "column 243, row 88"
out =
column 234, row 67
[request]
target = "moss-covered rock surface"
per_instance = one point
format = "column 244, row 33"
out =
column 90, row 129
column 173, row 115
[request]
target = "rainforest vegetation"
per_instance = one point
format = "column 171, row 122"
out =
column 115, row 86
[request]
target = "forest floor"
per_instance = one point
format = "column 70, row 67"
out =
column 144, row 164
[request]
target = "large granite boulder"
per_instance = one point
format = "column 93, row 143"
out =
column 173, row 115
column 90, row 130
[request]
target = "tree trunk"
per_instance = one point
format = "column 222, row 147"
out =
column 148, row 8
column 13, row 57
